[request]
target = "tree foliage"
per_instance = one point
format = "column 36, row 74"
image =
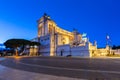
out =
column 19, row 43
column 115, row 47
column 34, row 43
column 13, row 43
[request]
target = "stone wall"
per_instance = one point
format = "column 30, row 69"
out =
column 80, row 51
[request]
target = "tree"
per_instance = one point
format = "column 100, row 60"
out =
column 34, row 43
column 16, row 43
column 116, row 47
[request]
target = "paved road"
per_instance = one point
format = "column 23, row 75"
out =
column 85, row 68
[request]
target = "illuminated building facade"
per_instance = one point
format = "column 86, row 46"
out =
column 56, row 41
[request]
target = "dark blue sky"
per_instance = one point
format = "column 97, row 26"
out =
column 94, row 17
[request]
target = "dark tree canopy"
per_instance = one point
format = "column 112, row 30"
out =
column 13, row 43
column 19, row 43
column 34, row 43
column 115, row 47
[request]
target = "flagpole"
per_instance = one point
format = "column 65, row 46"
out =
column 108, row 44
column 107, row 39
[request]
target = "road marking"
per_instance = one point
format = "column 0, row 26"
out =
column 100, row 71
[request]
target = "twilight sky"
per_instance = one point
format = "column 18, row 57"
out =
column 94, row 17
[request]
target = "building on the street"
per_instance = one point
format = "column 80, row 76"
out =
column 56, row 41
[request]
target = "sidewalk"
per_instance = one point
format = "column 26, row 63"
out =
column 14, row 74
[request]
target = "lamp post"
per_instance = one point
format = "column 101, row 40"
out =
column 16, row 51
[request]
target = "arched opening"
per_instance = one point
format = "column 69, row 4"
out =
column 61, row 52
